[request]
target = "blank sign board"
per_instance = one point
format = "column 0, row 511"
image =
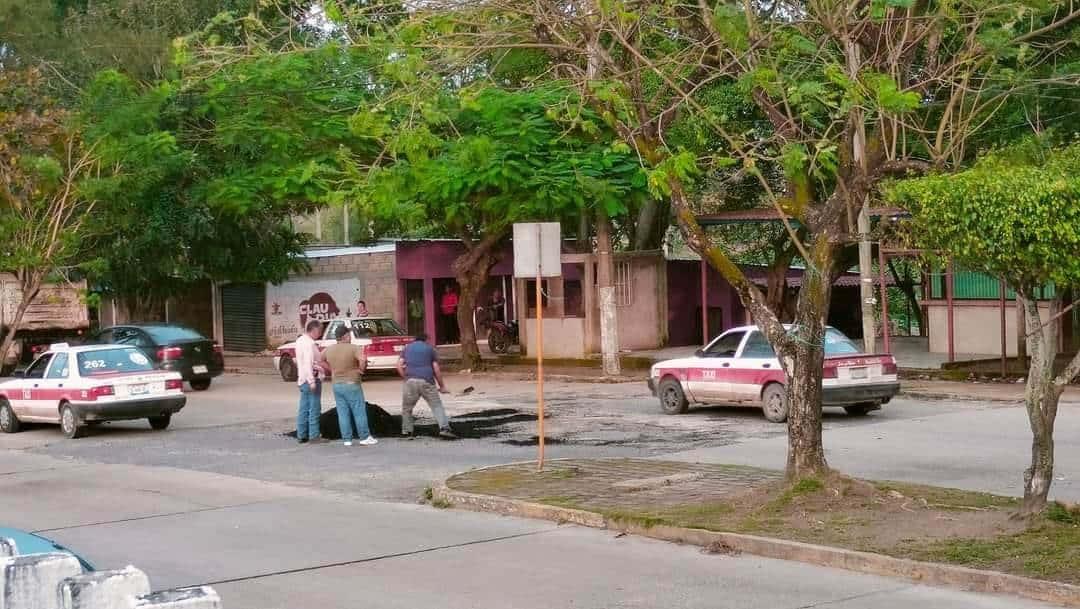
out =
column 537, row 249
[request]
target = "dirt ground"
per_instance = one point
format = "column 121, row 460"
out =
column 910, row 521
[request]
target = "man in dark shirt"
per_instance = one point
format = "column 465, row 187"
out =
column 419, row 366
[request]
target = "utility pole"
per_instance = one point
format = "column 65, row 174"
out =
column 609, row 321
column 866, row 275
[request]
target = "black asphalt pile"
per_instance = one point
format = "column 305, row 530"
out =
column 382, row 424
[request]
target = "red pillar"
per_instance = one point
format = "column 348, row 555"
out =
column 1001, row 307
column 949, row 310
column 430, row 312
column 884, row 300
column 704, row 302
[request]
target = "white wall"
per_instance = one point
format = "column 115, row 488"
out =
column 976, row 327
column 563, row 337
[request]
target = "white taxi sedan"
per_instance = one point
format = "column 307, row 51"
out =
column 740, row 367
column 75, row 386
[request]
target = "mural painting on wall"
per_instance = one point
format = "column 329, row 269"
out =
column 291, row 305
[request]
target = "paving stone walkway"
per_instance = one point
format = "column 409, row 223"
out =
column 606, row 484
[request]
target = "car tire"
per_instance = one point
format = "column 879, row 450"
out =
column 672, row 397
column 161, row 422
column 69, row 422
column 200, row 384
column 287, row 368
column 774, row 403
column 860, row 410
column 9, row 423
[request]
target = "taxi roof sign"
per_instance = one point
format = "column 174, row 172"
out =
column 59, row 347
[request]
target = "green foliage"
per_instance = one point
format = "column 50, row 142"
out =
column 503, row 157
column 1015, row 214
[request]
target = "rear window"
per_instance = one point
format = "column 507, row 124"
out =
column 838, row 344
column 168, row 334
column 108, row 361
column 377, row 327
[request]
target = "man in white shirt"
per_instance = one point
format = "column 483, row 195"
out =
column 307, row 377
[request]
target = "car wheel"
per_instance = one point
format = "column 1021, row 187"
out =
column 672, row 398
column 9, row 423
column 287, row 369
column 161, row 422
column 860, row 410
column 774, row 403
column 200, row 384
column 69, row 422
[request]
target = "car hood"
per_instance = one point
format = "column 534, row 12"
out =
column 682, row 362
column 29, row 543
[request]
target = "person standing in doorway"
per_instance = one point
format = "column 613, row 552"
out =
column 448, row 305
column 419, row 366
column 307, row 377
column 347, row 364
column 416, row 315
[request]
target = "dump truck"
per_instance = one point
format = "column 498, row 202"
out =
column 57, row 314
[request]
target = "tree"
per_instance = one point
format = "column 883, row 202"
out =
column 853, row 91
column 44, row 206
column 485, row 158
column 215, row 165
column 1014, row 215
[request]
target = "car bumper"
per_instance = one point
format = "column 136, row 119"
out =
column 132, row 409
column 187, row 372
column 383, row 362
column 854, row 394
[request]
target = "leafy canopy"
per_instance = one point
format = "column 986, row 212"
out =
column 1014, row 214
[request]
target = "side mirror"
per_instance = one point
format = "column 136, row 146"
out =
column 699, row 353
column 19, row 374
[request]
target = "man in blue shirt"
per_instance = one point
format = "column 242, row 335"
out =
column 419, row 366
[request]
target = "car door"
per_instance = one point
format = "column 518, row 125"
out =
column 49, row 390
column 710, row 378
column 755, row 365
column 27, row 406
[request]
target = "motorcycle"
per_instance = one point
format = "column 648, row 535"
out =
column 502, row 335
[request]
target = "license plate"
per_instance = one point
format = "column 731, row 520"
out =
column 199, row 369
column 138, row 389
column 859, row 373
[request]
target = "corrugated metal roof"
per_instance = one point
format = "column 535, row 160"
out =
column 331, row 252
column 769, row 214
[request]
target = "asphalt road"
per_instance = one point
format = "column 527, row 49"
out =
column 224, row 498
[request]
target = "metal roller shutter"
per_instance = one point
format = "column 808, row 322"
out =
column 243, row 315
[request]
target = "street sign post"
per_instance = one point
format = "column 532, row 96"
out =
column 537, row 254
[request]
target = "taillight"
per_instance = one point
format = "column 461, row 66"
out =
column 219, row 349
column 98, row 392
column 168, row 353
column 174, row 384
column 830, row 372
column 889, row 367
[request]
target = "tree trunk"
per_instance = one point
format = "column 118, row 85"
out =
column 609, row 324
column 907, row 286
column 30, row 286
column 471, row 271
column 803, row 365
column 1041, row 399
column 777, row 285
column 651, row 225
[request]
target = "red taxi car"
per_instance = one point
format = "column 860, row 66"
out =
column 740, row 367
column 383, row 341
column 75, row 386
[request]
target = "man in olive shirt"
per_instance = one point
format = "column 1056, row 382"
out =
column 347, row 362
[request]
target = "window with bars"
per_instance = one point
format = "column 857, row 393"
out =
column 624, row 294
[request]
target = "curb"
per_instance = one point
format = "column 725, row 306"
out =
column 935, row 574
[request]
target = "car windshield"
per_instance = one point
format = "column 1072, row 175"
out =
column 377, row 327
column 107, row 361
column 164, row 335
column 838, row 344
